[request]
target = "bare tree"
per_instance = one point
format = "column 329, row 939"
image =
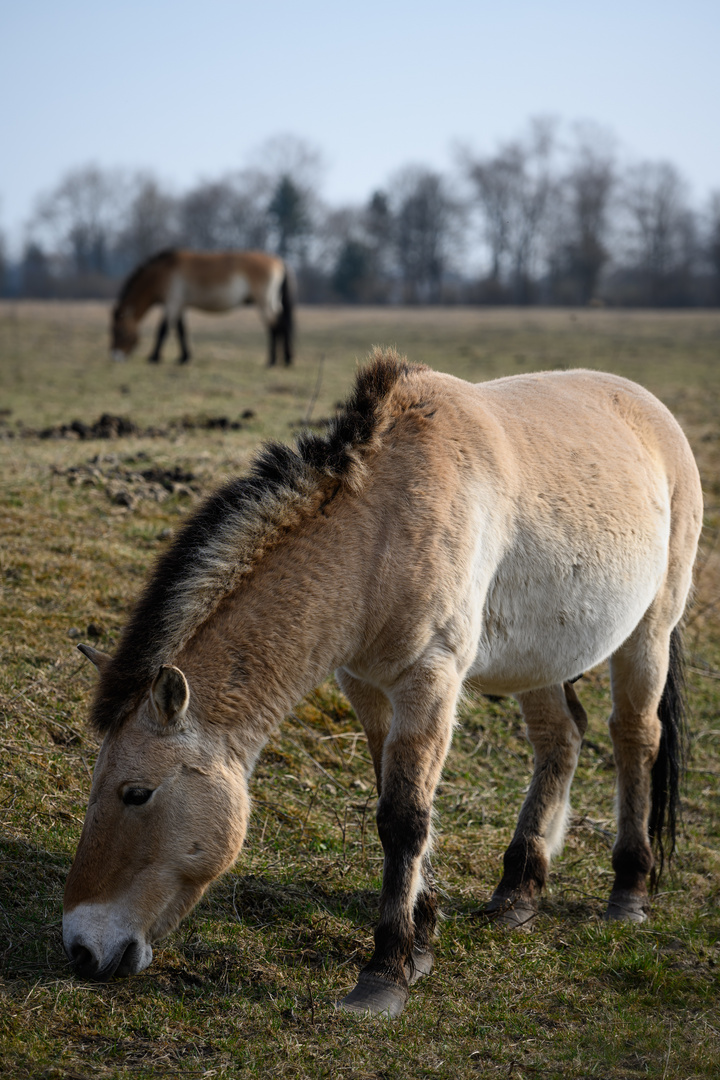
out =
column 287, row 155
column 203, row 215
column 712, row 243
column 513, row 190
column 422, row 229
column 150, row 221
column 377, row 227
column 292, row 170
column 661, row 234
column 581, row 217
column 79, row 217
column 289, row 214
column 36, row 277
column 230, row 213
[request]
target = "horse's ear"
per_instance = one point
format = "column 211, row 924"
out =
column 99, row 659
column 170, row 695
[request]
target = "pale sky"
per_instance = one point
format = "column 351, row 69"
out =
column 190, row 90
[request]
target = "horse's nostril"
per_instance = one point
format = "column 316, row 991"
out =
column 83, row 960
column 128, row 964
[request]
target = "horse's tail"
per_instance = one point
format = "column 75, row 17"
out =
column 287, row 301
column 667, row 772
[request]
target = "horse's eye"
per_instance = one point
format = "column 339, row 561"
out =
column 136, row 796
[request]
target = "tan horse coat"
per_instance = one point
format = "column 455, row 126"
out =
column 510, row 535
column 214, row 281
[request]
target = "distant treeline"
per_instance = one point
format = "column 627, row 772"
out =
column 543, row 219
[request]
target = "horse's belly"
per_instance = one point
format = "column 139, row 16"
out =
column 538, row 633
column 220, row 297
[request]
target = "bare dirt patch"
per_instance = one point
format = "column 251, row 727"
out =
column 110, row 426
column 125, row 485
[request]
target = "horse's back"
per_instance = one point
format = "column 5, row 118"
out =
column 597, row 444
column 558, row 417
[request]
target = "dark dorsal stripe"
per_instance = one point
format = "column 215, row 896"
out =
column 216, row 546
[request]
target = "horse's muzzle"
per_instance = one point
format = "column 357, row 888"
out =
column 99, row 947
column 128, row 959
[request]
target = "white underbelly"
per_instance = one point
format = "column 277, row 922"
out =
column 232, row 293
column 539, row 631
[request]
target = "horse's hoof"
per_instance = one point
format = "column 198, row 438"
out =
column 422, row 965
column 509, row 914
column 626, row 907
column 374, row 995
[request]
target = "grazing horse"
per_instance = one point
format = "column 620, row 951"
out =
column 209, row 281
column 509, row 535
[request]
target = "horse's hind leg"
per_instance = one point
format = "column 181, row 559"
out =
column 556, row 723
column 287, row 341
column 273, row 333
column 639, row 671
column 182, row 338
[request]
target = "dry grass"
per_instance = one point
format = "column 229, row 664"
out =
column 246, row 986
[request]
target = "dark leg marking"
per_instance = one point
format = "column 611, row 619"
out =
column 287, row 345
column 425, row 923
column 407, row 767
column 640, row 673
column 272, row 342
column 556, row 722
column 514, row 903
column 182, row 338
column 154, row 357
column 383, row 984
column 629, row 901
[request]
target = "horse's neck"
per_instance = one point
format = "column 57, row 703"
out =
column 300, row 614
column 148, row 290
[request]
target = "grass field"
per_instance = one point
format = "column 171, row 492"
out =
column 246, row 986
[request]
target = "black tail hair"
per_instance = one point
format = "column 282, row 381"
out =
column 669, row 767
column 287, row 299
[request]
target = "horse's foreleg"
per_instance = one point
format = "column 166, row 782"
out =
column 154, row 357
column 412, row 758
column 182, row 338
column 638, row 672
column 374, row 712
column 556, row 723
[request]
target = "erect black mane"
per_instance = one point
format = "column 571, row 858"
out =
column 216, row 546
column 131, row 280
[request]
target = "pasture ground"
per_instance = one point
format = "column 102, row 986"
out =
column 245, row 987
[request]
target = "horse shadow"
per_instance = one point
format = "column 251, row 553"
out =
column 32, row 879
column 255, row 931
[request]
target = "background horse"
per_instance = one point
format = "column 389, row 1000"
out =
column 209, row 281
column 509, row 535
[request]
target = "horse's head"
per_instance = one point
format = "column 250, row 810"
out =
column 124, row 332
column 167, row 814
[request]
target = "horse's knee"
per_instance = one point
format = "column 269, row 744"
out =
column 403, row 823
